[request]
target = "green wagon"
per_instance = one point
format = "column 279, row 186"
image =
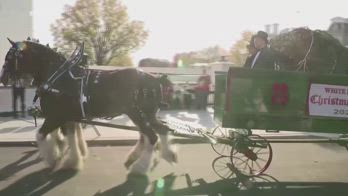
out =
column 275, row 100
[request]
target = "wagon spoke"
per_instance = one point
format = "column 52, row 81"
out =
column 223, row 149
column 246, row 164
column 258, row 164
column 259, row 150
column 231, row 174
column 242, row 162
column 263, row 153
column 261, row 159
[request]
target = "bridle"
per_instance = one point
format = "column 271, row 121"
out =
column 14, row 55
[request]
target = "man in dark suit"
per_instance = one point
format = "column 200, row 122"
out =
column 264, row 58
column 251, row 53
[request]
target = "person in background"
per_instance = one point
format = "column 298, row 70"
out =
column 264, row 58
column 168, row 92
column 18, row 91
column 187, row 96
column 202, row 90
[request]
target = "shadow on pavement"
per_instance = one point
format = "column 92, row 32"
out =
column 135, row 184
column 38, row 183
column 20, row 164
column 8, row 129
column 263, row 185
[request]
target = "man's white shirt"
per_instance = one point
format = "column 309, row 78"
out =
column 255, row 58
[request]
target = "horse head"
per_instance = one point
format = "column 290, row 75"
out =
column 28, row 57
column 307, row 50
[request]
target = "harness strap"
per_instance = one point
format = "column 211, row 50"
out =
column 73, row 60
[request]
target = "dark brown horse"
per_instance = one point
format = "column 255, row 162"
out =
column 303, row 49
column 78, row 93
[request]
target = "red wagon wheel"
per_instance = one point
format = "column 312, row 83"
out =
column 251, row 155
column 219, row 148
column 220, row 167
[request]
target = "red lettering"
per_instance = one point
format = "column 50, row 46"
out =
column 280, row 94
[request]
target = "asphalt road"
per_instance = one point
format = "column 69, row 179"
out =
column 296, row 169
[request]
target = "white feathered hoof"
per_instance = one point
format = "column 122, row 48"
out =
column 142, row 165
column 139, row 169
column 72, row 164
column 130, row 160
column 73, row 161
column 170, row 156
column 48, row 151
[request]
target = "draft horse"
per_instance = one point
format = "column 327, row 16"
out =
column 78, row 93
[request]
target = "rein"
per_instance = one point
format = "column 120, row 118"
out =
column 73, row 60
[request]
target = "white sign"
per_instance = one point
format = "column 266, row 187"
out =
column 328, row 100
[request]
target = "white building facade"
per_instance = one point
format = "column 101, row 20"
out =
column 339, row 29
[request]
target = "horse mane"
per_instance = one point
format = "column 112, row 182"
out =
column 44, row 49
column 50, row 58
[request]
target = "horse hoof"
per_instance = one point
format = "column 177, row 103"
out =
column 72, row 165
column 170, row 157
column 128, row 163
column 155, row 163
column 138, row 169
column 51, row 165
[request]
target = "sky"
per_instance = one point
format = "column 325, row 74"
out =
column 177, row 26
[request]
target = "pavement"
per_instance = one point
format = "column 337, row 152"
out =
column 21, row 131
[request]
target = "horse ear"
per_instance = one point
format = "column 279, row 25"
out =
column 12, row 42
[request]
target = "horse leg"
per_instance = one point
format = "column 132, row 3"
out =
column 136, row 151
column 58, row 143
column 61, row 140
column 74, row 159
column 167, row 151
column 46, row 144
column 81, row 141
column 142, row 165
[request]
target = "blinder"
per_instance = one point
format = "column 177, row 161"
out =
column 13, row 55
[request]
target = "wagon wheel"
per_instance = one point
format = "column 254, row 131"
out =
column 251, row 155
column 221, row 168
column 219, row 148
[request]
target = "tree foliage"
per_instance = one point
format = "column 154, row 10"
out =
column 238, row 52
column 103, row 25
